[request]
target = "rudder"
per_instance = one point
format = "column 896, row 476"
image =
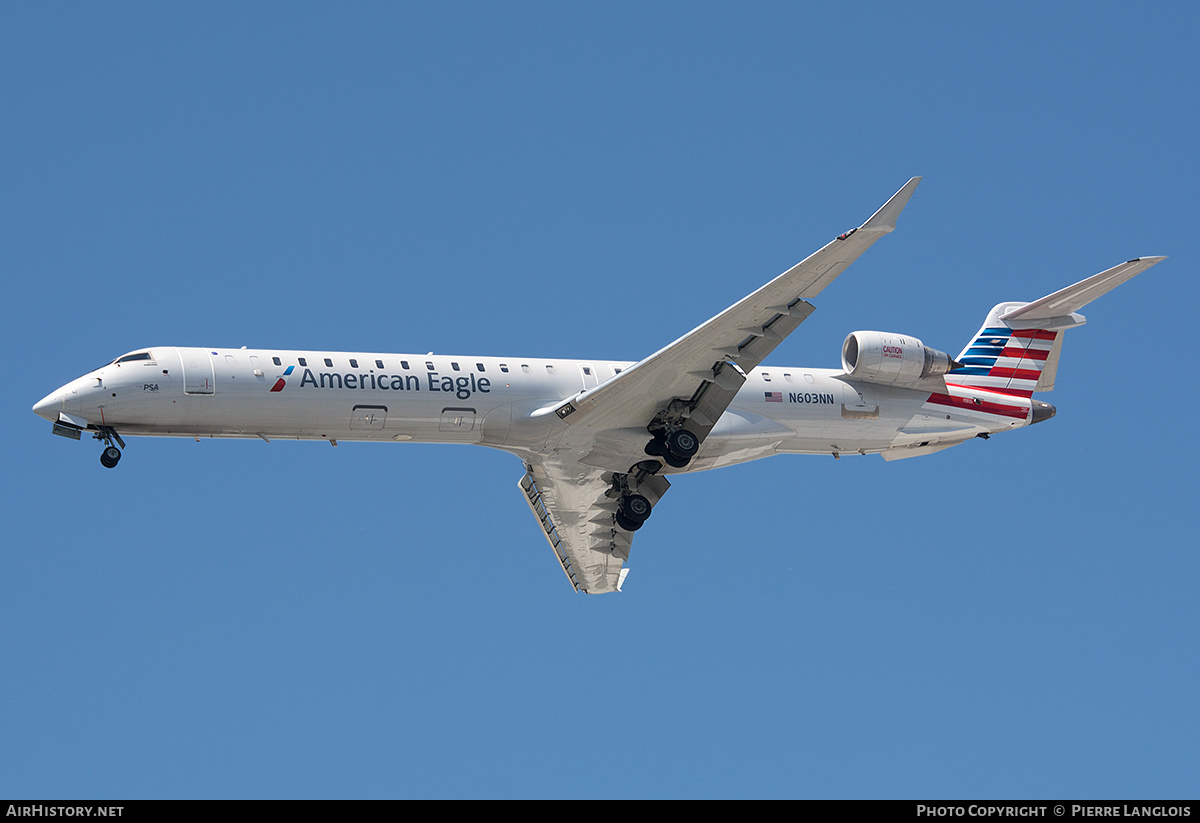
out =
column 1017, row 361
column 1017, row 350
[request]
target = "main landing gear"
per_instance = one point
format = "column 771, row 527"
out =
column 632, row 511
column 111, row 454
column 672, row 445
column 633, row 492
column 675, row 448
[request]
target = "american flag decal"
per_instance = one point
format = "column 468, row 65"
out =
column 774, row 396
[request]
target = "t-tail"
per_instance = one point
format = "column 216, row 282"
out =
column 1017, row 350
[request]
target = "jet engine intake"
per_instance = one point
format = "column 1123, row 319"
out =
column 892, row 359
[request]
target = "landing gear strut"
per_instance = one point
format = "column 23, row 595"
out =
column 111, row 454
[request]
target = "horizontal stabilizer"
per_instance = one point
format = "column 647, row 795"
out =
column 1073, row 298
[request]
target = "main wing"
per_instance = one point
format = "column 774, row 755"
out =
column 707, row 365
column 573, row 493
column 577, row 513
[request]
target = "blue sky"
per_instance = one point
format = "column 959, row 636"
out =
column 1011, row 618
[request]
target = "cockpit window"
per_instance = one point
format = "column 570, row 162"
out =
column 129, row 358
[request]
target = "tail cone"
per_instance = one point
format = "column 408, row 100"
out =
column 1042, row 411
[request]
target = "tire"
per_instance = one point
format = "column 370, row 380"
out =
column 675, row 462
column 110, row 457
column 683, row 444
column 624, row 523
column 635, row 508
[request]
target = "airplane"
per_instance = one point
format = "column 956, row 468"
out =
column 599, row 438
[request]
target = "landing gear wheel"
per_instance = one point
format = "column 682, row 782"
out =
column 626, row 524
column 634, row 508
column 111, row 454
column 683, row 444
column 675, row 462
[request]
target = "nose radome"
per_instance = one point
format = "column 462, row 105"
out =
column 49, row 406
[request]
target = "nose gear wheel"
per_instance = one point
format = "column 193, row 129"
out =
column 111, row 454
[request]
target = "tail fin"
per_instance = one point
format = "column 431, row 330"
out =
column 1017, row 350
column 1008, row 360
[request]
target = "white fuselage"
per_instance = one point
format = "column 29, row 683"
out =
column 273, row 394
column 596, row 436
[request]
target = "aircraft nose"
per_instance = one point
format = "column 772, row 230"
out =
column 49, row 406
column 63, row 399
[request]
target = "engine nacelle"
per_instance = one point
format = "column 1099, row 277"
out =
column 892, row 359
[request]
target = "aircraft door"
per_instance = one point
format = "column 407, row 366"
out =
column 198, row 377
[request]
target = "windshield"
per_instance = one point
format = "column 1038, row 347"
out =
column 129, row 358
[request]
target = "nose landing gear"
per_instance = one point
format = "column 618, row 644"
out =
column 111, row 454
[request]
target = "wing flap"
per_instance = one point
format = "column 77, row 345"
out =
column 533, row 496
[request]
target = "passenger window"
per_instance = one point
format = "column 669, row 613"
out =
column 404, row 365
column 353, row 363
column 302, row 361
column 504, row 368
column 429, row 365
column 480, row 367
column 766, row 377
column 379, row 364
column 549, row 369
column 328, row 362
column 525, row 368
column 276, row 361
column 454, row 366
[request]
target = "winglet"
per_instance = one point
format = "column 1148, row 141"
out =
column 884, row 220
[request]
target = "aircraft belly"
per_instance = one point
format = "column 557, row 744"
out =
column 839, row 416
column 739, row 437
